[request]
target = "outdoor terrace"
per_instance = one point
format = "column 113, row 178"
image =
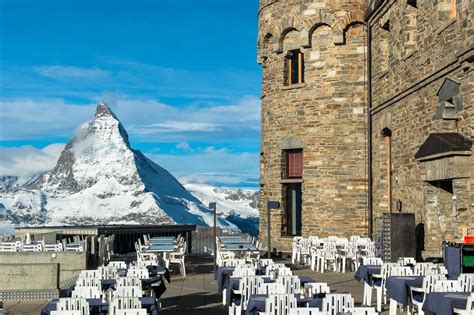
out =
column 197, row 293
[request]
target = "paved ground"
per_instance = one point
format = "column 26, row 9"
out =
column 197, row 293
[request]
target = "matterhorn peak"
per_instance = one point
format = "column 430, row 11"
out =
column 102, row 110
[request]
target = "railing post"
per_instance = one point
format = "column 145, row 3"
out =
column 213, row 206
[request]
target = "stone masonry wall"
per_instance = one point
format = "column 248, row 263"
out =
column 405, row 82
column 326, row 115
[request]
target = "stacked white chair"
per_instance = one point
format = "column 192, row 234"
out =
column 418, row 295
column 404, row 261
column 66, row 312
column 129, row 281
column 469, row 310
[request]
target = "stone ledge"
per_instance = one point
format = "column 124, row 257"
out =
column 293, row 86
column 291, row 181
column 445, row 26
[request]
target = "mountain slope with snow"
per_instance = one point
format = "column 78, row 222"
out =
column 100, row 179
column 238, row 206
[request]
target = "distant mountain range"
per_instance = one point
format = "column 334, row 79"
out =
column 100, row 179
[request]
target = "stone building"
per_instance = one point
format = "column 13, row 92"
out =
column 336, row 71
column 314, row 120
column 421, row 114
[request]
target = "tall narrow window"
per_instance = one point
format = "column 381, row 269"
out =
column 293, row 209
column 387, row 139
column 295, row 68
column 294, row 163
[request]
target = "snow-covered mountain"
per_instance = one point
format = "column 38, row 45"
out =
column 238, row 206
column 100, row 179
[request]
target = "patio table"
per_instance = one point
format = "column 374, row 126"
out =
column 239, row 247
column 365, row 272
column 398, row 287
column 234, row 240
column 162, row 242
column 257, row 303
column 99, row 306
column 442, row 303
column 163, row 238
column 160, row 248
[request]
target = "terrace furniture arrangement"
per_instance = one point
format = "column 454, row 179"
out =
column 416, row 287
column 262, row 286
column 166, row 250
column 334, row 252
column 118, row 288
column 77, row 244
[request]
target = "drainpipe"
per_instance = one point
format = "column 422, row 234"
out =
column 369, row 129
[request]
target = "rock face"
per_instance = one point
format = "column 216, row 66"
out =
column 100, row 179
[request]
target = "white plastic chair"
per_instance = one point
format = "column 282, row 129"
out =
column 361, row 311
column 140, row 311
column 129, row 282
column 403, row 261
column 86, row 292
column 278, row 304
column 247, row 286
column 469, row 310
column 447, row 286
column 379, row 284
column 140, row 273
column 467, row 281
column 128, row 291
column 317, row 287
column 418, row 295
column 120, row 303
column 90, row 274
column 66, row 313
column 294, row 249
column 178, row 258
column 73, row 304
column 118, row 264
column 328, row 256
column 336, row 303
column 305, row 311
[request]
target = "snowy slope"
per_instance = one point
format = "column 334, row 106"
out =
column 240, row 201
column 238, row 206
column 99, row 178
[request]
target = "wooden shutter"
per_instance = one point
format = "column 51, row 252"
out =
column 295, row 163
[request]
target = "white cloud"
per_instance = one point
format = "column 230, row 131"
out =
column 144, row 119
column 183, row 146
column 41, row 119
column 70, row 72
column 212, row 166
column 28, row 160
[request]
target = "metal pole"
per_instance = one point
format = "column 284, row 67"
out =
column 270, row 205
column 212, row 205
column 268, row 233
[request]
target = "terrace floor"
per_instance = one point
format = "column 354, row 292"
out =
column 197, row 293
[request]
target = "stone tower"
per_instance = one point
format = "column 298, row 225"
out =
column 314, row 113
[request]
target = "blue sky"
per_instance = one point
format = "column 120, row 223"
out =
column 181, row 75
